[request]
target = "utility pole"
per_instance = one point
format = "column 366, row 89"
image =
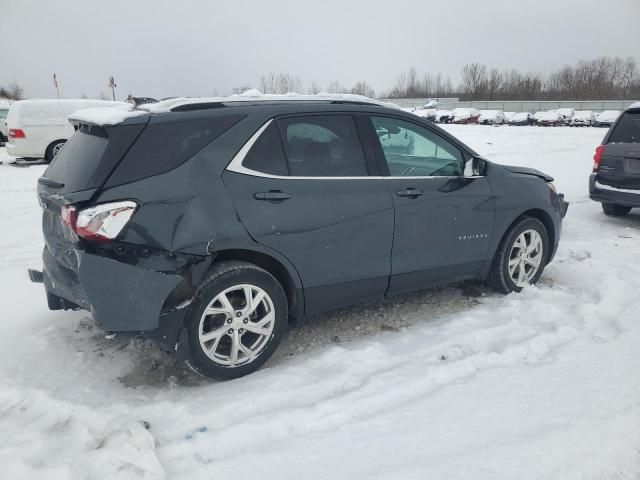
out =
column 112, row 86
column 55, row 83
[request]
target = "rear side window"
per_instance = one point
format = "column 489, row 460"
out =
column 164, row 146
column 323, row 146
column 627, row 130
column 266, row 155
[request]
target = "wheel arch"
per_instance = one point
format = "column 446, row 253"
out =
column 47, row 151
column 537, row 213
column 285, row 274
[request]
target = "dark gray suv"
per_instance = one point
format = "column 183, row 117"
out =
column 615, row 181
column 209, row 225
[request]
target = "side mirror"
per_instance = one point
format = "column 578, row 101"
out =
column 475, row 167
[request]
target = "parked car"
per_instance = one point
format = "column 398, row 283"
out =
column 566, row 114
column 508, row 115
column 583, row 118
column 4, row 110
column 427, row 113
column 443, row 116
column 253, row 213
column 607, row 118
column 491, row 117
column 465, row 115
column 549, row 119
column 521, row 118
column 39, row 128
column 615, row 181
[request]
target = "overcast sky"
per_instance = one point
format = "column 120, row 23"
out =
column 170, row 48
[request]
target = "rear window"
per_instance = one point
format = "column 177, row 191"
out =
column 77, row 162
column 166, row 145
column 627, row 130
column 90, row 155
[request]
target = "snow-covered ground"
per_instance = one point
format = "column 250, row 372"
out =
column 453, row 383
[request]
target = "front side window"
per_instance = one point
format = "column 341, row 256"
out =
column 414, row 151
column 322, row 146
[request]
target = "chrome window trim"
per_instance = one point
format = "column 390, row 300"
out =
column 236, row 166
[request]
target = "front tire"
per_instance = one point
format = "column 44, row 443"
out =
column 521, row 257
column 236, row 321
column 613, row 210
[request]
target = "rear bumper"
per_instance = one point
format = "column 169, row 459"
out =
column 605, row 194
column 20, row 150
column 149, row 297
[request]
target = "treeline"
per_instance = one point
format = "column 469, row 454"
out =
column 602, row 78
column 285, row 83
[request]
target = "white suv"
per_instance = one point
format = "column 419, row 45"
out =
column 39, row 128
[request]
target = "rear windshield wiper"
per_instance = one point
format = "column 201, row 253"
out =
column 50, row 183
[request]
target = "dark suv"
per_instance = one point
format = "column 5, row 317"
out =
column 209, row 225
column 615, row 181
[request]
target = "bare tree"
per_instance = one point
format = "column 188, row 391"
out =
column 314, row 89
column 363, row 88
column 280, row 83
column 336, row 87
column 13, row 91
column 474, row 80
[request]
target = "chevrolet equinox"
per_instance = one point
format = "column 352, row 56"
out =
column 210, row 224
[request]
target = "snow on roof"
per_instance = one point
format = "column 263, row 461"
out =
column 46, row 112
column 520, row 116
column 106, row 115
column 549, row 115
column 583, row 114
column 254, row 96
column 634, row 105
column 608, row 115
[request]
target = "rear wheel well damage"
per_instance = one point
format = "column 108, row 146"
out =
column 275, row 268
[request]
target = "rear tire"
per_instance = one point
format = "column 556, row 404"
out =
column 524, row 264
column 53, row 149
column 613, row 210
column 229, row 334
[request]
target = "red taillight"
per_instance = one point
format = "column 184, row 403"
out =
column 16, row 133
column 103, row 222
column 597, row 157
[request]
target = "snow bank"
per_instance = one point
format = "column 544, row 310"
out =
column 106, row 116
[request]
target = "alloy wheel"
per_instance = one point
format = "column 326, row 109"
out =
column 237, row 325
column 525, row 257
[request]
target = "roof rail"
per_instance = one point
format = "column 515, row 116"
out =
column 256, row 98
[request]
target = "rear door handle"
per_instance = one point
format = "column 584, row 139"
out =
column 409, row 192
column 274, row 196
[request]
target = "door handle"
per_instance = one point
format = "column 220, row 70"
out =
column 274, row 196
column 409, row 192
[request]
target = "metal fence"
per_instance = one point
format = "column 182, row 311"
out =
column 517, row 105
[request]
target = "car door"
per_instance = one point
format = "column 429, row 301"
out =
column 303, row 189
column 443, row 219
